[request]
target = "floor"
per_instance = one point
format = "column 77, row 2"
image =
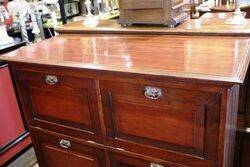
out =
column 28, row 159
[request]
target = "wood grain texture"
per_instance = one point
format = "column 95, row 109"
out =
column 205, row 58
column 209, row 24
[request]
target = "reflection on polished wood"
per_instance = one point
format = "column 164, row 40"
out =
column 208, row 24
column 210, row 58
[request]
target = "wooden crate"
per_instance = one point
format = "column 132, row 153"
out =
column 165, row 12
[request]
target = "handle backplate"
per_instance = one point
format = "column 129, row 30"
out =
column 155, row 165
column 65, row 143
column 51, row 79
column 152, row 92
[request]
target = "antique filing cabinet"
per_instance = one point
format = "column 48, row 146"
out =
column 89, row 106
column 147, row 123
column 164, row 12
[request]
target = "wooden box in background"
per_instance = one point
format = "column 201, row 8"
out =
column 165, row 12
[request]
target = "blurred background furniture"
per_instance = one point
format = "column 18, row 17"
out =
column 217, row 6
column 14, row 136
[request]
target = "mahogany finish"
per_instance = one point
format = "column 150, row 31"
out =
column 173, row 106
column 208, row 24
column 225, row 60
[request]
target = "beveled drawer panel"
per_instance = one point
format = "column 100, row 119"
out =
column 60, row 151
column 61, row 103
column 161, row 117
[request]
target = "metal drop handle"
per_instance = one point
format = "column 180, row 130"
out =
column 65, row 143
column 51, row 79
column 153, row 92
column 155, row 165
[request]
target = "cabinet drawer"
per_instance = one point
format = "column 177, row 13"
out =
column 125, row 160
column 61, row 151
column 162, row 118
column 61, row 103
column 119, row 160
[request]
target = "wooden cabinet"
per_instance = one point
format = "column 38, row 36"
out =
column 67, row 104
column 169, row 121
column 55, row 150
column 162, row 117
column 134, row 100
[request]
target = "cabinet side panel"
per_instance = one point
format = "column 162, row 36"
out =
column 228, row 125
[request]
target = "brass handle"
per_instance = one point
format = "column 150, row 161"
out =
column 153, row 92
column 51, row 79
column 155, row 165
column 65, row 143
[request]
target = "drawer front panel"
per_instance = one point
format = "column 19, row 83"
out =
column 57, row 157
column 52, row 152
column 181, row 120
column 68, row 106
column 180, row 126
column 71, row 106
column 119, row 160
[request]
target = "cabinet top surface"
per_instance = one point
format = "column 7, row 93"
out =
column 223, row 59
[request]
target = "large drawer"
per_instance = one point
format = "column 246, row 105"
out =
column 120, row 160
column 56, row 150
column 161, row 119
column 61, row 103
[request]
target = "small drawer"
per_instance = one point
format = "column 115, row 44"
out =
column 62, row 103
column 55, row 150
column 161, row 118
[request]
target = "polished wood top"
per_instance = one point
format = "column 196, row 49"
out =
column 207, row 58
column 208, row 24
